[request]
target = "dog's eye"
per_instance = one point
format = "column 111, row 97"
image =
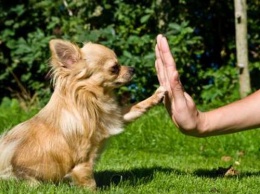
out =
column 115, row 69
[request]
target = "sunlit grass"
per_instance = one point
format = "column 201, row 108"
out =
column 152, row 156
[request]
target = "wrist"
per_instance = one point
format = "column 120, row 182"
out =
column 198, row 128
column 202, row 125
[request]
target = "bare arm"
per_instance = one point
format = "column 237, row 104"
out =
column 237, row 116
column 240, row 115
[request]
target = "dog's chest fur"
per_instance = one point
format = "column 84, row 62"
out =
column 89, row 125
column 92, row 118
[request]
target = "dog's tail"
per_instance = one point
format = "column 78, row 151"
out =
column 7, row 150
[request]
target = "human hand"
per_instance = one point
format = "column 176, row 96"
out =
column 179, row 104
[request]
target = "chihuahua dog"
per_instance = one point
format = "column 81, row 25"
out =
column 64, row 139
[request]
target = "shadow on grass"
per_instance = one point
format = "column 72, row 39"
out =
column 132, row 177
column 140, row 176
column 220, row 172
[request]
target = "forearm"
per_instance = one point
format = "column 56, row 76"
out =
column 237, row 116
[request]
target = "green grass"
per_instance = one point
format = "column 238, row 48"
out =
column 152, row 156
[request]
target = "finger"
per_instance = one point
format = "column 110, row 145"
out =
column 190, row 101
column 169, row 66
column 158, row 39
column 171, row 75
column 161, row 73
column 166, row 55
column 159, row 67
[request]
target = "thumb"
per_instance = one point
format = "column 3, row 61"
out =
column 177, row 91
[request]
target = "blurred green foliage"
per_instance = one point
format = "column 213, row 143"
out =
column 201, row 37
column 13, row 112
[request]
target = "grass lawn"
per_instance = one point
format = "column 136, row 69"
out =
column 152, row 156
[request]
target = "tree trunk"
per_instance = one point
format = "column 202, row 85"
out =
column 241, row 46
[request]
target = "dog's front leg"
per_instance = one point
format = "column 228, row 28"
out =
column 133, row 112
column 82, row 175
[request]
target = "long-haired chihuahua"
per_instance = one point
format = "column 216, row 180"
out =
column 64, row 139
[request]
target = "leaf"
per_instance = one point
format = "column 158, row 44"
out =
column 226, row 158
column 9, row 22
column 127, row 54
column 145, row 18
column 231, row 172
column 227, row 172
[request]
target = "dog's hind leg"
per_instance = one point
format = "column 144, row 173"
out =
column 28, row 175
column 82, row 175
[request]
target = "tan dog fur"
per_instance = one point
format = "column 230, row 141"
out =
column 65, row 137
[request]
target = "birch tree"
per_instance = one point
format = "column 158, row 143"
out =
column 242, row 46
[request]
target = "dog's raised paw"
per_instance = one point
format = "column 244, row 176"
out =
column 159, row 94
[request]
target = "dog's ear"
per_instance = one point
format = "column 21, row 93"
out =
column 64, row 53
